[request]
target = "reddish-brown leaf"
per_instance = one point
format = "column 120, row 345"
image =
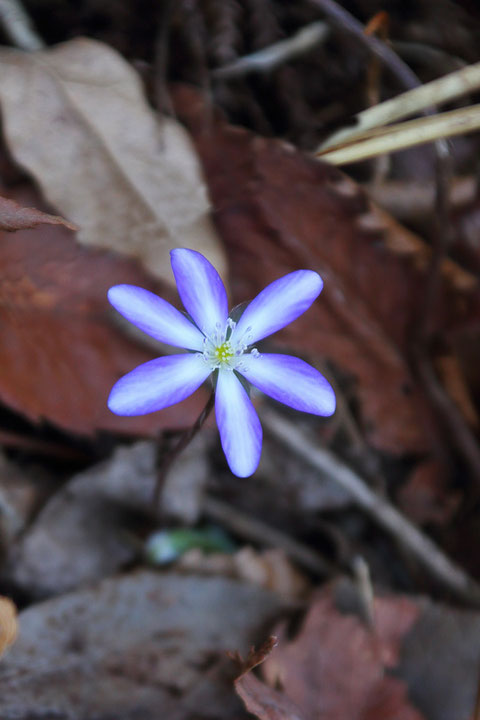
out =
column 15, row 217
column 337, row 668
column 61, row 349
column 260, row 699
column 278, row 210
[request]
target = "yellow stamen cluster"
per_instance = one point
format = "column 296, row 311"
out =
column 224, row 352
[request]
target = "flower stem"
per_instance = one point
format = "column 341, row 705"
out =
column 185, row 439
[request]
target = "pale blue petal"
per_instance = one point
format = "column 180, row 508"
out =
column 201, row 290
column 158, row 384
column 155, row 316
column 291, row 381
column 277, row 305
column 238, row 424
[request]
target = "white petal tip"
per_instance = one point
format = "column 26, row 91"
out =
column 243, row 472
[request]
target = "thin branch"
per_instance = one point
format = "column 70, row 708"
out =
column 268, row 58
column 426, row 552
column 258, row 532
column 160, row 64
column 389, row 57
column 19, row 27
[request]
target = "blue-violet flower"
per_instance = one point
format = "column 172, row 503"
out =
column 220, row 345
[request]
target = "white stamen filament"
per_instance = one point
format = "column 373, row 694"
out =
column 220, row 352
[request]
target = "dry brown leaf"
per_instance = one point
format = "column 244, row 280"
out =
column 15, row 217
column 279, row 210
column 145, row 645
column 76, row 118
column 259, row 699
column 427, row 649
column 61, row 350
column 336, row 667
column 8, row 623
column 81, row 534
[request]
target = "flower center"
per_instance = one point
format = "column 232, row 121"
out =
column 224, row 352
column 220, row 352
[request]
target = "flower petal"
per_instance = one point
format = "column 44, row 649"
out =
column 155, row 316
column 238, row 424
column 157, row 384
column 291, row 381
column 201, row 289
column 277, row 305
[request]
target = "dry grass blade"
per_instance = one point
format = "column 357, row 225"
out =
column 379, row 141
column 437, row 92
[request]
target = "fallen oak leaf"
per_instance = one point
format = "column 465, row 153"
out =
column 61, row 350
column 15, row 217
column 129, row 179
column 336, row 667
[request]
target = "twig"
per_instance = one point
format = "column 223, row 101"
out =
column 379, row 509
column 267, row 59
column 348, row 22
column 18, row 26
column 363, row 581
column 160, row 64
column 258, row 532
column 185, row 439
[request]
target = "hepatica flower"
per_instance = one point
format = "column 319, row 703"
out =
column 221, row 346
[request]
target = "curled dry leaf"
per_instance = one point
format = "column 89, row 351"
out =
column 259, row 699
column 15, row 217
column 278, row 210
column 336, row 667
column 8, row 623
column 61, row 350
column 128, row 180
